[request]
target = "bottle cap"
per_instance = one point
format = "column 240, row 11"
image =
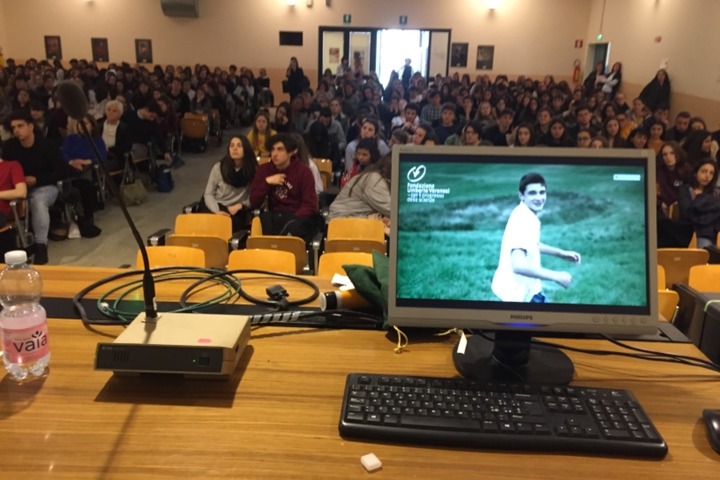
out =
column 16, row 257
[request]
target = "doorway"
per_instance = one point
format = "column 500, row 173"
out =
column 376, row 50
column 597, row 53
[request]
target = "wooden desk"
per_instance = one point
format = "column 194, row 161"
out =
column 278, row 416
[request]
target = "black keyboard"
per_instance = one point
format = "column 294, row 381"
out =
column 468, row 413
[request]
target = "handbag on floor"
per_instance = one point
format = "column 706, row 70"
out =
column 132, row 189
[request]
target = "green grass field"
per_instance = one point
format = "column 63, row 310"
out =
column 454, row 242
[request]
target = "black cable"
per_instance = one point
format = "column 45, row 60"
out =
column 257, row 301
column 649, row 355
column 213, row 275
column 643, row 354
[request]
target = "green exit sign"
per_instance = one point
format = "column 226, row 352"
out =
column 347, row 18
column 403, row 19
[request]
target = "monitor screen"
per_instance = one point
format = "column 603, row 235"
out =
column 523, row 239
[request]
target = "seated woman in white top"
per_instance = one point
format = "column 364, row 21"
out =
column 228, row 187
column 366, row 194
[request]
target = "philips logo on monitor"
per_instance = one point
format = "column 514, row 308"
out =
column 415, row 174
column 521, row 317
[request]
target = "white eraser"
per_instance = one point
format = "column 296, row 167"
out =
column 370, row 462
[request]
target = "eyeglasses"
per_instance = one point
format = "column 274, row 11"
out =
column 471, row 132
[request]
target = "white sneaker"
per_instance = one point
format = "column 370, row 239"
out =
column 73, row 231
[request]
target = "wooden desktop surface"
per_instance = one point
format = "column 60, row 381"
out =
column 278, row 415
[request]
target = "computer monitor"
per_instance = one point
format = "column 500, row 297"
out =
column 519, row 242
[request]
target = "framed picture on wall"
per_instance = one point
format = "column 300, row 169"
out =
column 458, row 54
column 143, row 50
column 100, row 49
column 53, row 48
column 334, row 55
column 485, row 55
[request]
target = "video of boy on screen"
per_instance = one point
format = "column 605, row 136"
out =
column 528, row 233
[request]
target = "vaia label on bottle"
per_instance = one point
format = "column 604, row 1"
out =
column 27, row 345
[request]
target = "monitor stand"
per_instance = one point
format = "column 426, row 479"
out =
column 512, row 358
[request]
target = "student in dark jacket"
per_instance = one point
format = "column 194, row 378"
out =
column 657, row 92
column 43, row 166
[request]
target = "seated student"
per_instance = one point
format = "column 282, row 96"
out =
column 336, row 108
column 307, row 158
column 283, row 122
column 557, row 136
column 671, row 173
column 259, row 133
column 115, row 133
column 201, row 103
column 44, row 124
column 79, row 155
column 366, row 195
column 498, row 134
column 448, row 124
column 584, row 138
column 169, row 128
column 680, row 129
column 12, row 187
column 288, row 187
column 228, row 187
column 626, row 127
column 485, row 115
column 366, row 154
column 144, row 128
column 43, row 167
column 370, row 129
column 398, row 137
column 698, row 145
column 611, row 133
column 699, row 202
column 424, row 135
column 335, row 132
column 584, row 118
column 656, row 135
column 409, row 119
column 431, row 112
column 638, row 138
column 523, row 136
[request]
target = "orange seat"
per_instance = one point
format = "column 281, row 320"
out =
column 262, row 259
column 172, row 256
column 677, row 263
column 332, row 262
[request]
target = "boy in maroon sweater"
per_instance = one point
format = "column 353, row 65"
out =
column 289, row 188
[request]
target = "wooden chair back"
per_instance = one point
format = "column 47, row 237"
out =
column 203, row 224
column 661, row 278
column 705, row 278
column 355, row 235
column 194, row 125
column 332, row 262
column 294, row 245
column 677, row 263
column 215, row 248
column 172, row 256
column 262, row 259
column 667, row 304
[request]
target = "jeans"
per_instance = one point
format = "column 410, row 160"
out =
column 40, row 200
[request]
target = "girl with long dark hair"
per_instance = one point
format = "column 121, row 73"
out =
column 228, row 187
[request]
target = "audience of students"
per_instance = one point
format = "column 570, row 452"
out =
column 142, row 105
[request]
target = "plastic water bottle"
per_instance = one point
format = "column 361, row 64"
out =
column 26, row 349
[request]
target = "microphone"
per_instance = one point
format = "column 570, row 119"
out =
column 74, row 103
column 72, row 99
